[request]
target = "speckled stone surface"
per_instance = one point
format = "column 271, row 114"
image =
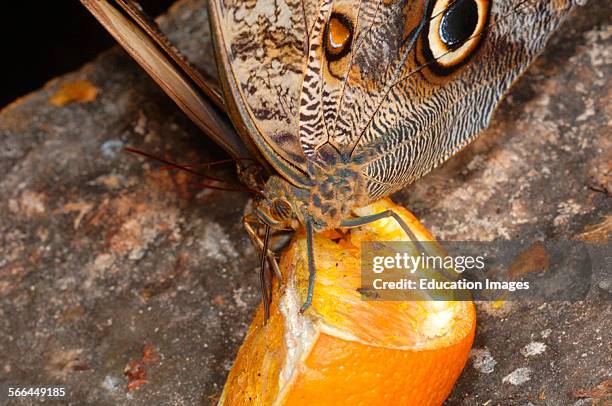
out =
column 101, row 253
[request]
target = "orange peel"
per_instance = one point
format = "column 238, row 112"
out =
column 81, row 91
column 344, row 350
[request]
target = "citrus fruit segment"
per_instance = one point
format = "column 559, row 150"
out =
column 345, row 350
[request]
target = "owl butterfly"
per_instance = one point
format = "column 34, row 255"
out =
column 345, row 101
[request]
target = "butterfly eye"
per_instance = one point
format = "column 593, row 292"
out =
column 338, row 36
column 453, row 32
column 281, row 209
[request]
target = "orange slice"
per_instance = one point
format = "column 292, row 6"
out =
column 344, row 350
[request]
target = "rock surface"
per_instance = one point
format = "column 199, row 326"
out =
column 108, row 263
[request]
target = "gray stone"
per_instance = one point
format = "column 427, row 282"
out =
column 101, row 253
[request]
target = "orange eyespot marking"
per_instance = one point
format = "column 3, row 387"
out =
column 338, row 35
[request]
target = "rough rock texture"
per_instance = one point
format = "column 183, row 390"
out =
column 106, row 259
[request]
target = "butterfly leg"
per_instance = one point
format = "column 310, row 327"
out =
column 247, row 221
column 266, row 254
column 311, row 265
column 266, row 284
column 360, row 221
column 346, row 223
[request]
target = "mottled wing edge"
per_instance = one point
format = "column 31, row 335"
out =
column 170, row 77
column 238, row 110
column 209, row 85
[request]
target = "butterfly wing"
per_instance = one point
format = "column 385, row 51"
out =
column 394, row 86
column 414, row 81
column 420, row 81
column 414, row 94
column 191, row 91
column 208, row 85
column 261, row 52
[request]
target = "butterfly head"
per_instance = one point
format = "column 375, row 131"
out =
column 280, row 206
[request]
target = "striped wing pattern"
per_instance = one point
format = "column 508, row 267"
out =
column 423, row 121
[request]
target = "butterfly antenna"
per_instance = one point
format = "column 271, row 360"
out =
column 208, row 165
column 186, row 168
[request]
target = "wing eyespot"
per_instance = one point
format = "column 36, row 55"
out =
column 338, row 36
column 453, row 33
